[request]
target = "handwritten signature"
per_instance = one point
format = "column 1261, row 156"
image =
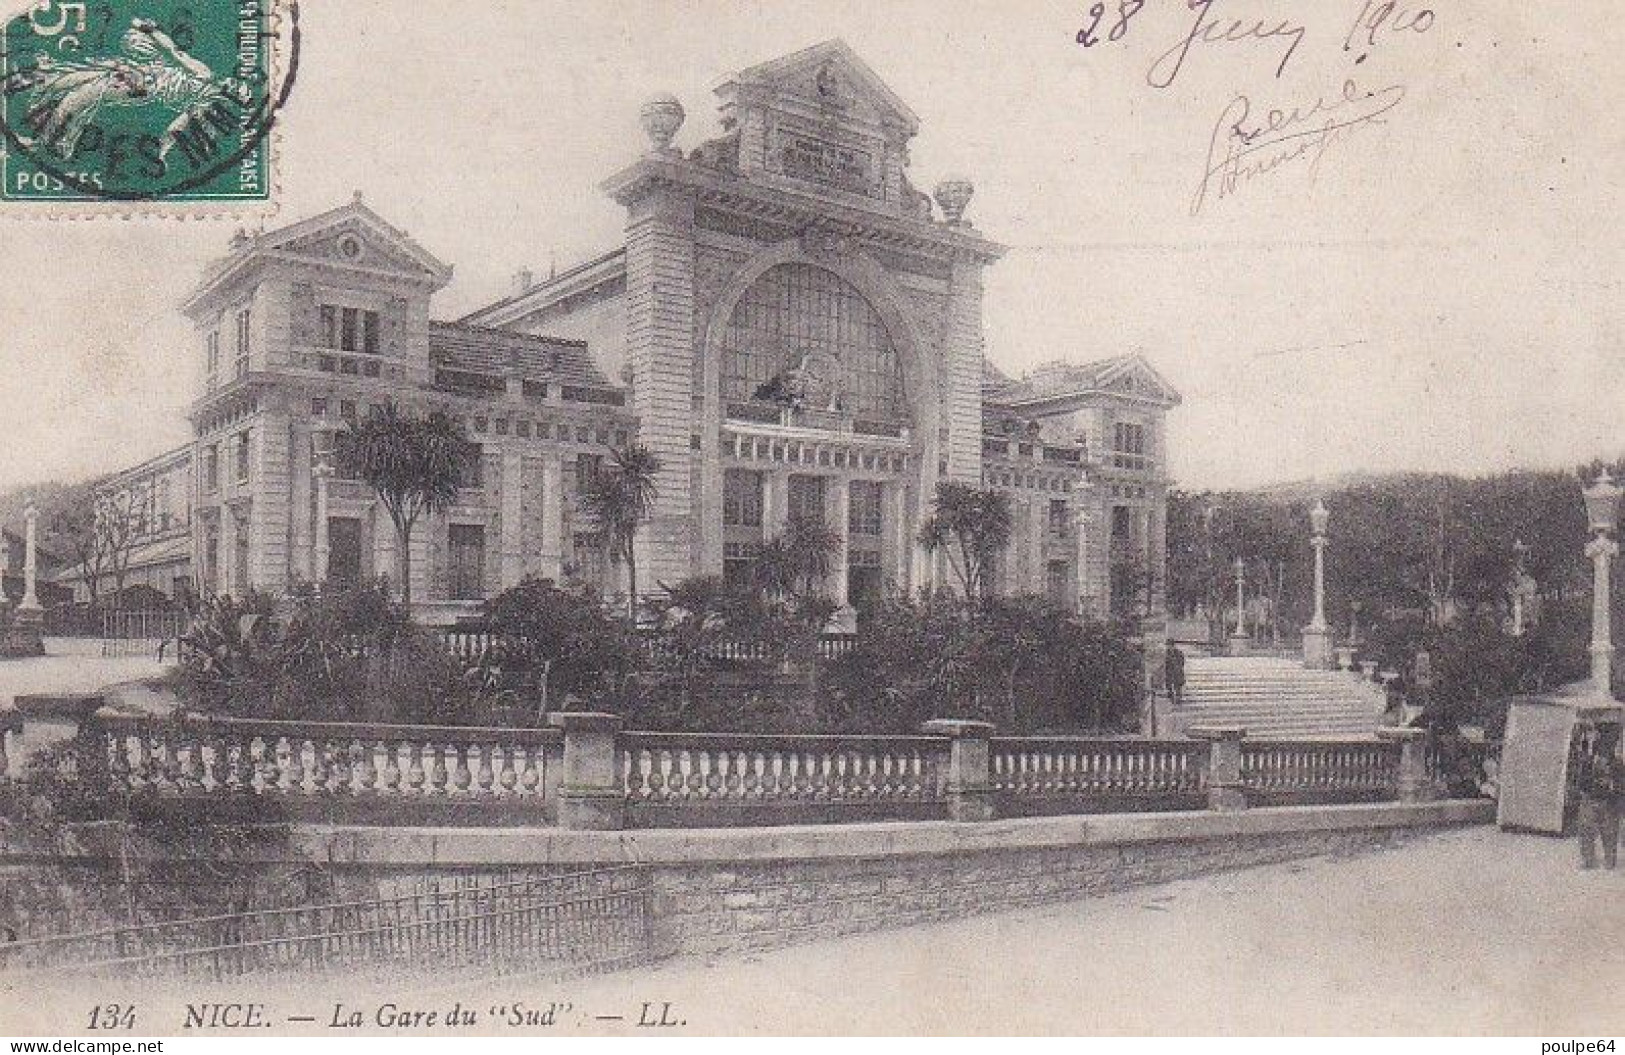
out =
column 1244, row 146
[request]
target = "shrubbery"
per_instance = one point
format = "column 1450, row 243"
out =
column 1477, row 665
column 342, row 655
column 1021, row 663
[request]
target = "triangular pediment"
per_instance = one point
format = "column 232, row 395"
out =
column 1137, row 378
column 830, row 79
column 355, row 236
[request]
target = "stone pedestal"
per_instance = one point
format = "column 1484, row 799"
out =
column 970, row 791
column 24, row 634
column 1238, row 645
column 1317, row 648
column 591, row 795
column 1411, row 782
column 1225, row 791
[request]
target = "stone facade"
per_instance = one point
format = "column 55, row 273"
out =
column 789, row 325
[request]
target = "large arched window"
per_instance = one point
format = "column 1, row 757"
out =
column 802, row 336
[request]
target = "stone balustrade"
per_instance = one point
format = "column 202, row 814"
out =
column 587, row 772
column 1304, row 771
column 1055, row 774
column 342, row 771
column 681, row 778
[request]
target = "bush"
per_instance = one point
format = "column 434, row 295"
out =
column 557, row 637
column 1021, row 663
column 343, row 655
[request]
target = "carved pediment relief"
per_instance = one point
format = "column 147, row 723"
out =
column 354, row 245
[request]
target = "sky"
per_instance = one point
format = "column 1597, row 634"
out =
column 1435, row 287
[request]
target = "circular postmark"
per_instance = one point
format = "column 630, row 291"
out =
column 143, row 100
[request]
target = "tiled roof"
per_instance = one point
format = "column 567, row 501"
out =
column 482, row 350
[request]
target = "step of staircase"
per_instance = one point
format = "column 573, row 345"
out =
column 1274, row 698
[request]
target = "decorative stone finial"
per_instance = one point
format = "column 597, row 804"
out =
column 953, row 194
column 661, row 117
column 356, row 197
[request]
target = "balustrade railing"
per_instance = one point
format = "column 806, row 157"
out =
column 319, row 769
column 409, row 774
column 1074, row 774
column 680, row 778
column 1318, row 770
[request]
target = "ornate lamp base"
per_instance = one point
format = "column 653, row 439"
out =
column 1317, row 648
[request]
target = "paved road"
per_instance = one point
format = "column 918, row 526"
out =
column 1473, row 931
column 71, row 665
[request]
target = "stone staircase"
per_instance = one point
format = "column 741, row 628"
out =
column 1275, row 698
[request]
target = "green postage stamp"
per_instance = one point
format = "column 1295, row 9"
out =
column 144, row 101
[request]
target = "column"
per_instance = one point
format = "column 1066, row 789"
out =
column 1317, row 651
column 323, row 475
column 511, row 516
column 1238, row 637
column 843, row 551
column 962, row 372
column 1601, row 550
column 775, row 502
column 898, row 542
column 1038, row 527
column 30, row 601
column 660, row 351
column 553, row 515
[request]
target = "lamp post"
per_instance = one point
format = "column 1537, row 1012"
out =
column 1602, row 513
column 25, row 635
column 1238, row 637
column 1317, row 637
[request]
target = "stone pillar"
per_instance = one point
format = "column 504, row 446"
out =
column 1601, row 550
column 660, row 352
column 901, row 541
column 24, row 636
column 47, row 720
column 1317, row 637
column 1038, row 532
column 553, row 515
column 775, row 502
column 970, row 786
column 591, row 794
column 1225, row 791
column 323, row 474
column 511, row 516
column 1411, row 779
column 1239, row 642
column 961, row 372
column 30, row 602
column 843, row 552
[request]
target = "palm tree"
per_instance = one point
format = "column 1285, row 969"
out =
column 414, row 464
column 619, row 497
column 795, row 564
column 973, row 525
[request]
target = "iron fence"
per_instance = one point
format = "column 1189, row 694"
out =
column 580, row 921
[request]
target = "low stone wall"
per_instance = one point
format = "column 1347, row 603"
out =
column 720, row 890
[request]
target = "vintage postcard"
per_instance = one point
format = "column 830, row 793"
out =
column 698, row 517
